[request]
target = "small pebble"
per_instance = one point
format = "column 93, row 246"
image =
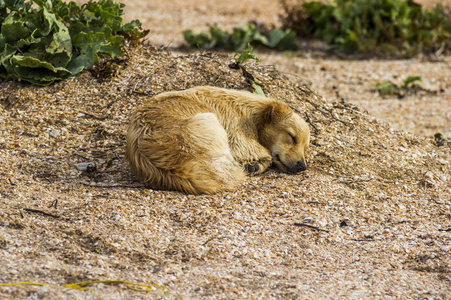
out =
column 86, row 167
column 54, row 133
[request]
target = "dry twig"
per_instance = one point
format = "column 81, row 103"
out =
column 309, row 226
column 41, row 212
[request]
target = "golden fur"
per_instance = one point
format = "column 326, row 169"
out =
column 202, row 140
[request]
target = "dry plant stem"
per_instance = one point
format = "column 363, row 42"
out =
column 54, row 204
column 309, row 226
column 41, row 212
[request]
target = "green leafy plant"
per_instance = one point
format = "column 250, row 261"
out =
column 240, row 37
column 239, row 60
column 409, row 86
column 386, row 88
column 387, row 26
column 440, row 139
column 410, row 81
column 53, row 40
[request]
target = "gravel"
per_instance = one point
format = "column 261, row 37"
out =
column 370, row 218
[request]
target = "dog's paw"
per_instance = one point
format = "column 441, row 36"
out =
column 253, row 168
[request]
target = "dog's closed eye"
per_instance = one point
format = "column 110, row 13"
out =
column 293, row 138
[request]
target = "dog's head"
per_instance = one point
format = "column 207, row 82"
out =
column 286, row 135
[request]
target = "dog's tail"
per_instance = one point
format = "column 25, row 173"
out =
column 193, row 157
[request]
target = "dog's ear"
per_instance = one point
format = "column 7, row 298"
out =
column 277, row 112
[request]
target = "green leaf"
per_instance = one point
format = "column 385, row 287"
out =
column 257, row 89
column 283, row 40
column 35, row 71
column 441, row 136
column 386, row 88
column 411, row 79
column 201, row 40
column 88, row 46
column 113, row 48
column 13, row 28
column 133, row 30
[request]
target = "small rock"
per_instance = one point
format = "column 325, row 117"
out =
column 443, row 162
column 444, row 248
column 86, row 167
column 428, row 180
column 54, row 133
column 116, row 217
column 308, row 220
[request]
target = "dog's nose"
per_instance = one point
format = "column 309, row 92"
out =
column 300, row 166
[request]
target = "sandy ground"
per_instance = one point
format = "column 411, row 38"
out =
column 369, row 219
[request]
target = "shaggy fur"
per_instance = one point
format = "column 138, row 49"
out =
column 202, row 140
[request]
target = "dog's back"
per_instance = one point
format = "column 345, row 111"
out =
column 184, row 148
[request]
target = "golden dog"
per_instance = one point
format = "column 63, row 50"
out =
column 202, row 140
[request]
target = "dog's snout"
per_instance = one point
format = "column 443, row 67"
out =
column 300, row 166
